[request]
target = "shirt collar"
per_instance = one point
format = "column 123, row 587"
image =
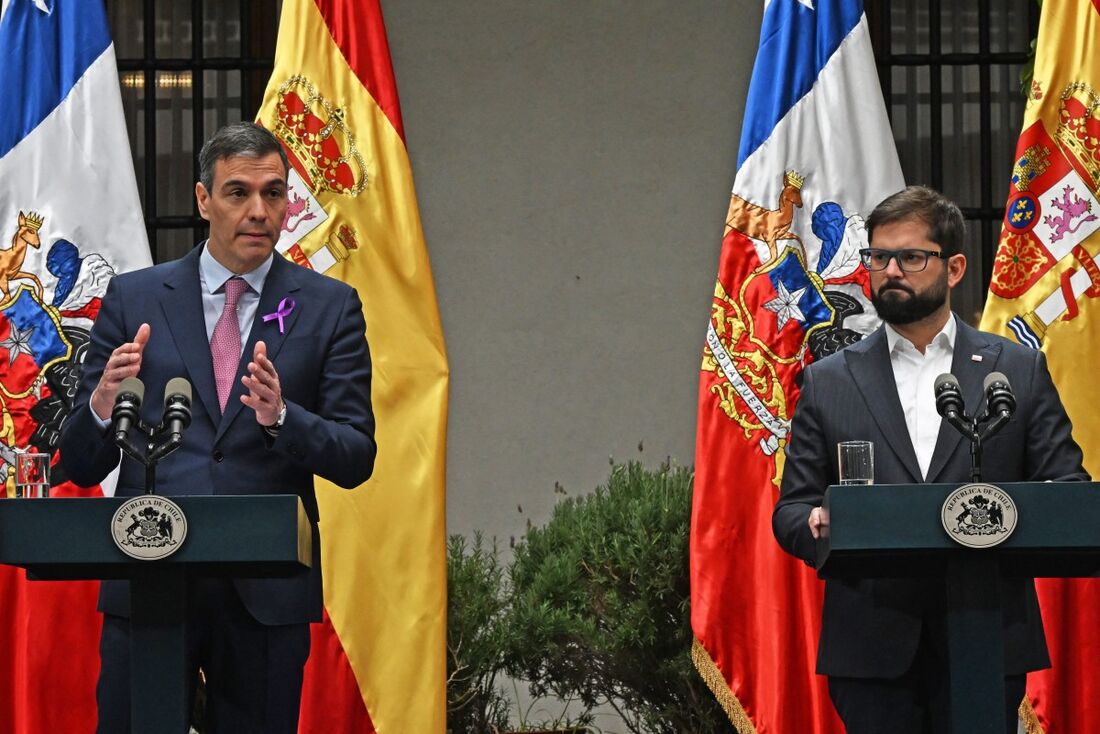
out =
column 214, row 274
column 944, row 339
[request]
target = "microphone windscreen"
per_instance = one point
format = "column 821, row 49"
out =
column 134, row 386
column 177, row 386
column 994, row 377
column 946, row 379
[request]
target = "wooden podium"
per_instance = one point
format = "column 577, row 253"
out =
column 227, row 536
column 896, row 531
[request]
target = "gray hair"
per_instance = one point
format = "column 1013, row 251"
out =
column 240, row 138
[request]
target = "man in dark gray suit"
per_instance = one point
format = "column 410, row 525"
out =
column 883, row 641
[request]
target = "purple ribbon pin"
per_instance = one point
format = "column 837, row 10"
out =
column 285, row 307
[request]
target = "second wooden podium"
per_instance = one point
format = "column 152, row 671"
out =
column 892, row 531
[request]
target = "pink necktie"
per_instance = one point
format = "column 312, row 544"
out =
column 225, row 344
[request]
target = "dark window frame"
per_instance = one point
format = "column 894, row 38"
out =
column 258, row 23
column 989, row 214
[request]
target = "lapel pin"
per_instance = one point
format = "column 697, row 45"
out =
column 975, row 358
column 285, row 307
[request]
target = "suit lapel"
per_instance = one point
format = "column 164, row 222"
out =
column 280, row 284
column 182, row 304
column 869, row 364
column 970, row 372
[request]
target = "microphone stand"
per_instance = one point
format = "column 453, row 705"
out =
column 969, row 428
column 975, row 647
column 153, row 453
column 976, row 457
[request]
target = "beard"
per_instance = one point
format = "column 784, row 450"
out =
column 895, row 309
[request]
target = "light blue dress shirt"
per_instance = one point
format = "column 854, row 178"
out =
column 212, row 277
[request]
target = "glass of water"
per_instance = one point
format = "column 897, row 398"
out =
column 856, row 460
column 32, row 475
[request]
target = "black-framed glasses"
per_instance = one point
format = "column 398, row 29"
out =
column 910, row 260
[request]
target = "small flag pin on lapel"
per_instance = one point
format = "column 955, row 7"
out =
column 975, row 358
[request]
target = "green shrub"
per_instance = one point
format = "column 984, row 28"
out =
column 600, row 604
column 476, row 604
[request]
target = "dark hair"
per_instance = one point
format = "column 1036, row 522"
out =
column 240, row 138
column 941, row 215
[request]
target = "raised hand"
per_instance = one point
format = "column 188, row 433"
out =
column 124, row 362
column 262, row 382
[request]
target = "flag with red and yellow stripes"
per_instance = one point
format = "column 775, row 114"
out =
column 378, row 660
column 1045, row 294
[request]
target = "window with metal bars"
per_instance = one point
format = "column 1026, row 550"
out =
column 179, row 85
column 950, row 73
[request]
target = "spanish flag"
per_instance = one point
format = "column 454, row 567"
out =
column 1044, row 294
column 378, row 661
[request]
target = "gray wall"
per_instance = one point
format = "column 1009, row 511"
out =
column 573, row 162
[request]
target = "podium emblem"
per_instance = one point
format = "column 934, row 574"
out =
column 979, row 515
column 149, row 528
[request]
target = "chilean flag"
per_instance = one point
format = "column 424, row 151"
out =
column 816, row 155
column 70, row 218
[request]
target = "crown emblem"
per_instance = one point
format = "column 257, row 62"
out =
column 33, row 220
column 1079, row 129
column 793, row 179
column 318, row 139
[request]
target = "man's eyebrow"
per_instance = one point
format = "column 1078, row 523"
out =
column 266, row 185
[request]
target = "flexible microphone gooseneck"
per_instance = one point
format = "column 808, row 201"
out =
column 175, row 420
column 177, row 406
column 998, row 395
column 949, row 403
column 176, row 417
column 127, row 411
column 1000, row 405
column 1000, row 402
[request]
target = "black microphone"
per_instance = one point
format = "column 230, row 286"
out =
column 177, row 417
column 127, row 410
column 949, row 399
column 1000, row 400
column 177, row 405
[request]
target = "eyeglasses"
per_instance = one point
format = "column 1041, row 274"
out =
column 909, row 260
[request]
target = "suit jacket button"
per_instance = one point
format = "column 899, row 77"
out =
column 218, row 456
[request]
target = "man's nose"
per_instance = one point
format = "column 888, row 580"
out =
column 893, row 269
column 256, row 207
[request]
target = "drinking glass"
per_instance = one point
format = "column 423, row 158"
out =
column 856, row 460
column 32, row 475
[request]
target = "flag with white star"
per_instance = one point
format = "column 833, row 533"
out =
column 30, row 341
column 70, row 218
column 816, row 155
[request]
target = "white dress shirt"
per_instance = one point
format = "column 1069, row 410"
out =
column 915, row 376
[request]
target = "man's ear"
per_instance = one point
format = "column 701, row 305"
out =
column 956, row 269
column 202, row 196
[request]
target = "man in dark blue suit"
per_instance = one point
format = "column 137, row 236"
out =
column 883, row 641
column 277, row 399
